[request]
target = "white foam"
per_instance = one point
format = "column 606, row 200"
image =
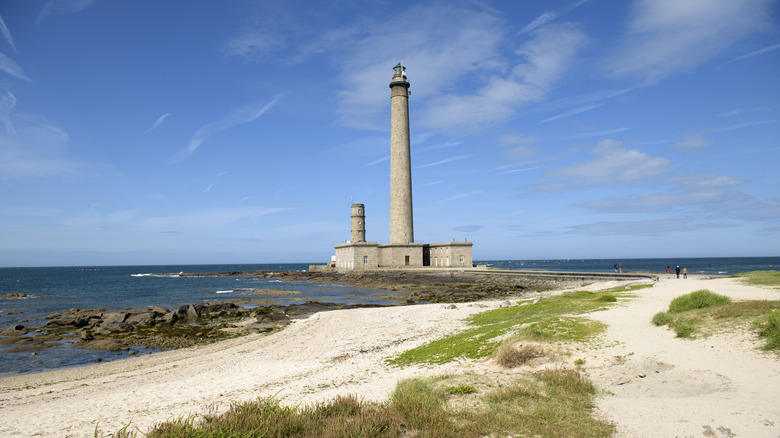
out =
column 225, row 291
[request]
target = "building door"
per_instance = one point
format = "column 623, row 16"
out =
column 406, row 260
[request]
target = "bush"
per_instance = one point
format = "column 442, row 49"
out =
column 513, row 355
column 662, row 318
column 699, row 299
column 771, row 330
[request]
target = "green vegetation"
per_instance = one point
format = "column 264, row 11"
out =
column 550, row 403
column 770, row 329
column 547, row 320
column 700, row 299
column 703, row 312
column 761, row 278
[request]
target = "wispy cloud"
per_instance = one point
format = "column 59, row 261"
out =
column 6, row 34
column 744, row 125
column 371, row 48
column 757, row 52
column 7, row 103
column 209, row 218
column 708, row 193
column 383, row 159
column 244, row 115
column 158, row 122
column 572, row 112
column 613, row 164
column 549, row 16
column 9, row 66
column 446, row 160
column 35, row 149
column 54, row 7
column 539, row 64
column 665, row 37
column 693, row 143
column 591, row 134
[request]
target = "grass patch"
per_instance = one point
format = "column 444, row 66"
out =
column 549, row 320
column 511, row 355
column 699, row 299
column 461, row 390
column 761, row 278
column 550, row 403
column 703, row 313
column 770, row 330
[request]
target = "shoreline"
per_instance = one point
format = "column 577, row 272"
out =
column 650, row 383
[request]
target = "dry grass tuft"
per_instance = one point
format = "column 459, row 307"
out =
column 513, row 355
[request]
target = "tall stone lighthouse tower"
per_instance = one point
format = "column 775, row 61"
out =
column 401, row 224
column 402, row 251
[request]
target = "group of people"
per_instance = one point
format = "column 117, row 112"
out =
column 677, row 271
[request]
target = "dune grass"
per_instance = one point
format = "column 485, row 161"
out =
column 549, row 320
column 549, row 403
column 703, row 312
column 761, row 278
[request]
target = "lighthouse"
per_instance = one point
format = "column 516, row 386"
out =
column 402, row 251
column 401, row 217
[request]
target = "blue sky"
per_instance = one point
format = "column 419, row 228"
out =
column 167, row 132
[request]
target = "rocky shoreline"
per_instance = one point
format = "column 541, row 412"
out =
column 156, row 327
column 425, row 286
column 161, row 328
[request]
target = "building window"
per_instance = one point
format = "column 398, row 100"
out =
column 365, row 260
column 461, row 259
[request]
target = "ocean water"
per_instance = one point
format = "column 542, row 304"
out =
column 57, row 289
column 701, row 265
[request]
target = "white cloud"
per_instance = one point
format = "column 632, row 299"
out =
column 665, row 37
column 446, row 160
column 693, row 143
column 541, row 61
column 572, row 112
column 550, row 16
column 243, row 115
column 7, row 103
column 197, row 220
column 614, row 165
column 7, row 34
column 255, row 44
column 159, row 121
column 36, row 148
column 54, row 7
column 9, row 66
column 757, row 52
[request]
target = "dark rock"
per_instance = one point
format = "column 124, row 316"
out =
column 142, row 319
column 86, row 335
column 104, row 344
column 13, row 295
column 159, row 309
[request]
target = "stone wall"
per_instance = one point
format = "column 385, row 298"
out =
column 401, row 255
column 448, row 255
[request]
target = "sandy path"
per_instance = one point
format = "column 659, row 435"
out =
column 665, row 386
column 690, row 388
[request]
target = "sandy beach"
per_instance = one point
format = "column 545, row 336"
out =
column 650, row 383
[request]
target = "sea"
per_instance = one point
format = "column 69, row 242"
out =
column 57, row 289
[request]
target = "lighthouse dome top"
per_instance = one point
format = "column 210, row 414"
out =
column 399, row 71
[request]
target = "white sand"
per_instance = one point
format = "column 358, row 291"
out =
column 690, row 388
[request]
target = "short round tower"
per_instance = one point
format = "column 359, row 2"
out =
column 358, row 223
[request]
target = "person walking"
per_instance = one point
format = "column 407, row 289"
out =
column 685, row 272
column 677, row 271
